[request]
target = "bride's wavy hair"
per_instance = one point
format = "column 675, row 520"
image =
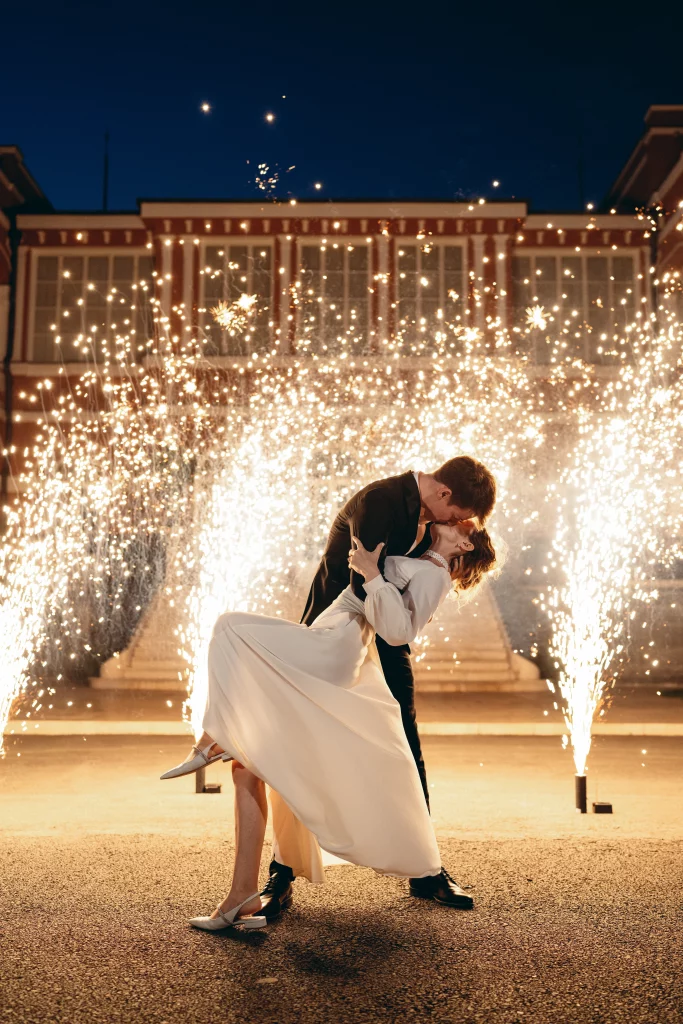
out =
column 474, row 565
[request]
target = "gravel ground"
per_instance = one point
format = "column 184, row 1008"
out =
column 574, row 922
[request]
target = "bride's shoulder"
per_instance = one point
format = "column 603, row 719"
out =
column 407, row 568
column 429, row 573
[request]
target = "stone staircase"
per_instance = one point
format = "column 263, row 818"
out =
column 151, row 661
column 467, row 649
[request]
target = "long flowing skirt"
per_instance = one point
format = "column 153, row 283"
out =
column 309, row 712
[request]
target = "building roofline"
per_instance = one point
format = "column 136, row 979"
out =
column 319, row 201
column 16, row 151
column 578, row 221
column 79, row 220
column 343, row 208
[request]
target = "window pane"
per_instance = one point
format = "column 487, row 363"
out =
column 521, row 287
column 358, row 258
column 357, row 261
column 311, row 257
column 622, row 268
column 262, row 287
column 45, row 349
column 597, row 292
column 43, row 320
column 47, row 268
column 45, row 313
column 407, row 272
column 453, row 257
column 431, row 261
column 310, row 308
column 46, row 294
column 143, row 313
column 96, row 304
column 571, row 284
column 236, row 272
column 545, row 281
column 455, row 291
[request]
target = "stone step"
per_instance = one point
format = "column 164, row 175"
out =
column 480, row 665
column 480, row 686
column 435, row 656
column 468, row 648
column 466, row 675
column 113, row 669
column 133, row 683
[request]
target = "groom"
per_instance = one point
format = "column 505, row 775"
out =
column 395, row 512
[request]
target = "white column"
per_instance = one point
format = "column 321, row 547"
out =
column 479, row 311
column 284, row 284
column 501, row 280
column 646, row 283
column 382, row 286
column 189, row 298
column 4, row 317
column 19, row 331
column 167, row 242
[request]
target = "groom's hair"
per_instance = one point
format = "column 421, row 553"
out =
column 471, row 484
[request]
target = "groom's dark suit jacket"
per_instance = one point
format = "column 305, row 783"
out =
column 387, row 511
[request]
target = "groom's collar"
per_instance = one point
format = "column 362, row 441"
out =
column 412, row 495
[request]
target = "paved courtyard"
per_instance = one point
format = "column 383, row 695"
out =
column 577, row 919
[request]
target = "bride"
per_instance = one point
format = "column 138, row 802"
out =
column 306, row 710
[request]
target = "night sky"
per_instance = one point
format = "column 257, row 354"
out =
column 383, row 100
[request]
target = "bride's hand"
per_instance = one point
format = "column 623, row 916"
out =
column 363, row 561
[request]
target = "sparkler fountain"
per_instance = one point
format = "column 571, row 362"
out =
column 619, row 514
column 162, row 467
column 221, row 483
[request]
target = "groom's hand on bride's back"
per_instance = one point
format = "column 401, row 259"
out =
column 372, row 520
column 365, row 562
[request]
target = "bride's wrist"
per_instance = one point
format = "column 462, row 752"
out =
column 372, row 574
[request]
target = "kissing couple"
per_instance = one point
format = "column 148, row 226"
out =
column 323, row 712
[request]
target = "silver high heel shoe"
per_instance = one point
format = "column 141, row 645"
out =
column 230, row 920
column 200, row 760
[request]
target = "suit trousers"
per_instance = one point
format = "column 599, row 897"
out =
column 398, row 673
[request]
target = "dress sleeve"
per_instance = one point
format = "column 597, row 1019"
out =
column 399, row 617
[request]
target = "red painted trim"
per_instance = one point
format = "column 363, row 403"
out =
column 193, row 313
column 469, row 303
column 392, row 288
column 490, row 272
column 293, row 267
column 374, row 296
column 177, row 274
column 53, row 237
column 508, row 308
column 28, row 284
column 277, row 277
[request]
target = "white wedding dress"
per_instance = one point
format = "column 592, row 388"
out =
column 307, row 709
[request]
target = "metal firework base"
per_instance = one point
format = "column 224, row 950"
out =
column 580, row 790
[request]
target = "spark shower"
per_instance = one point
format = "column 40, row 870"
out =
column 217, row 479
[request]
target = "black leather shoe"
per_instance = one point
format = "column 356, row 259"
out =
column 277, row 892
column 441, row 888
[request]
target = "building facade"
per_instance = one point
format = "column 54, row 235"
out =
column 363, row 277
column 323, row 273
column 652, row 180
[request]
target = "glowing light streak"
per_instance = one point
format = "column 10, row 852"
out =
column 218, row 487
column 618, row 520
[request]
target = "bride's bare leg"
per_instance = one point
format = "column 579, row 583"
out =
column 251, row 814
